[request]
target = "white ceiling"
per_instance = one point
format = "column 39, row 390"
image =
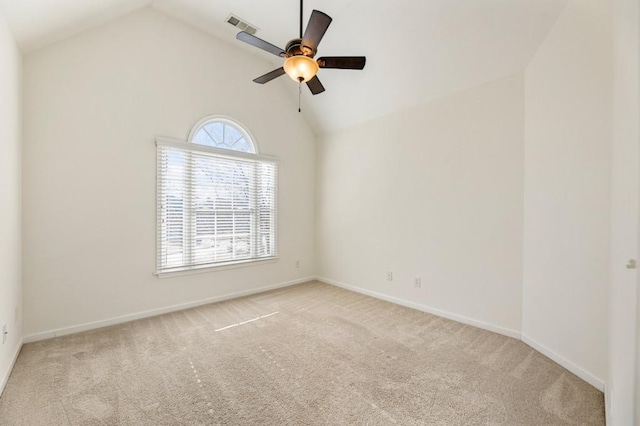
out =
column 417, row 50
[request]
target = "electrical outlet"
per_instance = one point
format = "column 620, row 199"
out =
column 417, row 282
column 4, row 333
column 389, row 276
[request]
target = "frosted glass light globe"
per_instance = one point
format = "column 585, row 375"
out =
column 301, row 68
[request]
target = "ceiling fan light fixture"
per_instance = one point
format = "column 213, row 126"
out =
column 299, row 63
column 301, row 68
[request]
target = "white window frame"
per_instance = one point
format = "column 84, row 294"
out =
column 188, row 146
column 227, row 120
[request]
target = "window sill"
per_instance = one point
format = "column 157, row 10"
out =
column 211, row 268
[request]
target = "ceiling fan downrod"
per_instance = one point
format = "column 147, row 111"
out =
column 301, row 18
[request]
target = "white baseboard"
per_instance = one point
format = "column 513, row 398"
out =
column 154, row 312
column 428, row 309
column 5, row 378
column 578, row 371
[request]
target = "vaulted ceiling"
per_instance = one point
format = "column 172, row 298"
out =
column 417, row 50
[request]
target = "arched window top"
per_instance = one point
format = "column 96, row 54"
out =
column 224, row 133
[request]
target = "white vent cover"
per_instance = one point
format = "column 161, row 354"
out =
column 241, row 24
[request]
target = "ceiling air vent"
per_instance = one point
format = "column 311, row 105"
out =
column 241, row 24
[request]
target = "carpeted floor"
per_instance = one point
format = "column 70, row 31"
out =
column 304, row 355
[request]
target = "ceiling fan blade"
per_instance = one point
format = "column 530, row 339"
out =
column 317, row 26
column 315, row 86
column 260, row 44
column 343, row 62
column 269, row 76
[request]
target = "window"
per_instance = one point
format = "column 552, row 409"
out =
column 216, row 199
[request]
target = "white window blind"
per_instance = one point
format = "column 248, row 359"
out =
column 213, row 207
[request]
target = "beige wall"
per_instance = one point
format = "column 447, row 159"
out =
column 435, row 192
column 10, row 200
column 93, row 105
column 567, row 190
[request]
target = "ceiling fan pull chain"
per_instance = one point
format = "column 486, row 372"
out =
column 299, row 94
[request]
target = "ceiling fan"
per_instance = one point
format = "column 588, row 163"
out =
column 299, row 53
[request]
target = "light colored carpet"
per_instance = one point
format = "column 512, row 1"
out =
column 304, row 355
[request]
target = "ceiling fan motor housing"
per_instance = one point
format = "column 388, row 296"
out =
column 295, row 48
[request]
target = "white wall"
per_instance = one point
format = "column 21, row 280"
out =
column 433, row 191
column 93, row 104
column 567, row 189
column 625, row 213
column 10, row 199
